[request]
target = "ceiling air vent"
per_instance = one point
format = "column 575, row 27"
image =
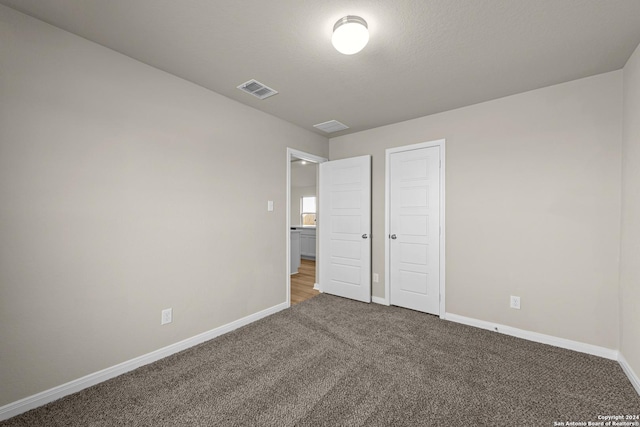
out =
column 257, row 89
column 331, row 126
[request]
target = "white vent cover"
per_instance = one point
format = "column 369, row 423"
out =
column 331, row 126
column 257, row 89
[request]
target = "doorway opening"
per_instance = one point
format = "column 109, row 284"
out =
column 303, row 224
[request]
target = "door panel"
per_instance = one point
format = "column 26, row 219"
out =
column 415, row 229
column 345, row 228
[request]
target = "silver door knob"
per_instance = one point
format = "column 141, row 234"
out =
column 364, row 236
column 393, row 236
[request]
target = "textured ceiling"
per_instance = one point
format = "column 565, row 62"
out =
column 423, row 57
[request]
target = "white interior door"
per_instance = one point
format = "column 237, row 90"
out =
column 345, row 228
column 414, row 229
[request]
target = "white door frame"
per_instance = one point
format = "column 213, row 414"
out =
column 291, row 152
column 387, row 218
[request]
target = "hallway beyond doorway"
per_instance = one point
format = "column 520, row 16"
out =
column 302, row 283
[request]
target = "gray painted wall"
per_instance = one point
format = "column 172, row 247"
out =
column 629, row 266
column 125, row 190
column 532, row 206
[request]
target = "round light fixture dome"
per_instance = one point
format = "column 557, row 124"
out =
column 350, row 35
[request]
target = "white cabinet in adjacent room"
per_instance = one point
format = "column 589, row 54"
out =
column 308, row 242
column 295, row 251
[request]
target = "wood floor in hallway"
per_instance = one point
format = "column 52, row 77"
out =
column 302, row 283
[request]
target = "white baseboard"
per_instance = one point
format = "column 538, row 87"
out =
column 42, row 398
column 316, row 286
column 595, row 350
column 633, row 377
column 379, row 300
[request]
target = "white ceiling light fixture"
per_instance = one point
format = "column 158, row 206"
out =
column 350, row 35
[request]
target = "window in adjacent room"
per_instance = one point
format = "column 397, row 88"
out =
column 308, row 210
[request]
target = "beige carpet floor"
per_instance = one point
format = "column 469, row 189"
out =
column 335, row 362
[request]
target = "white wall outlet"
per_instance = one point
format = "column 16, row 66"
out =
column 167, row 316
column 376, row 278
column 270, row 205
column 515, row 302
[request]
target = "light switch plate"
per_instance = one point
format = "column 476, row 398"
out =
column 270, row 205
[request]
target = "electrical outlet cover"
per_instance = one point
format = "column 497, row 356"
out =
column 515, row 302
column 167, row 316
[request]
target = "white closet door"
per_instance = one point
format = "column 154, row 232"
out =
column 415, row 229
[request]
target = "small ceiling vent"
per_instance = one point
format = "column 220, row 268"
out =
column 257, row 89
column 331, row 126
